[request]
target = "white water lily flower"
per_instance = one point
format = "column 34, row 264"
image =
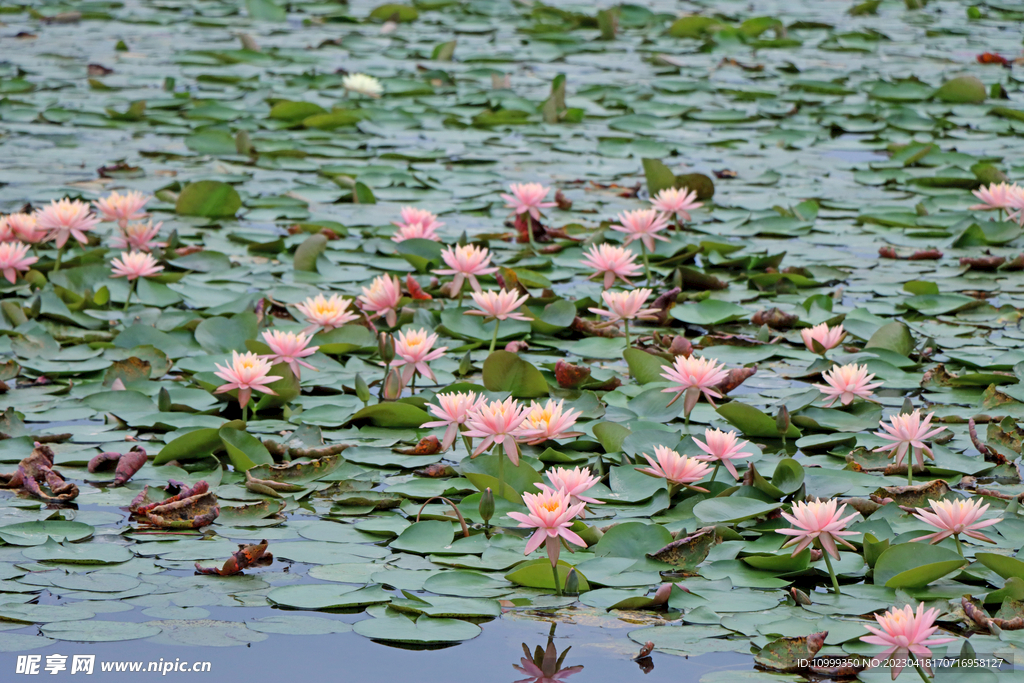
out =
column 363, row 84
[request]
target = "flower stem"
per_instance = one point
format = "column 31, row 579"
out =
column 60, row 256
column 127, row 299
column 245, row 413
column 831, row 572
column 923, row 675
column 626, row 321
column 529, row 232
column 494, row 339
column 499, row 450
column 412, row 384
column 959, row 547
column 910, row 472
column 647, row 266
column 715, row 473
column 469, row 447
column 554, row 573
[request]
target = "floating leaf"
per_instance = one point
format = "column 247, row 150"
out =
column 210, row 198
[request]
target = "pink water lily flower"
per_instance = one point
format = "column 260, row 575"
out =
column 497, row 422
column 246, row 372
column 722, row 447
column 676, row 469
column 643, row 225
column 548, row 422
column 825, row 336
column 626, row 306
column 453, row 411
column 6, row 231
column 465, row 263
column 906, row 635
column 612, row 262
column 416, row 231
column 551, row 514
column 1015, row 211
column 694, row 372
column 412, row 215
column 955, row 517
column 847, row 382
column 673, row 201
column 545, row 667
column 501, row 305
column 414, row 350
column 382, row 298
column 575, row 482
column 908, row 432
column 122, row 207
column 290, row 348
column 817, row 521
column 135, row 264
column 66, row 218
column 997, row 196
column 326, row 313
column 528, row 197
column 137, row 236
column 14, row 258
column 25, row 227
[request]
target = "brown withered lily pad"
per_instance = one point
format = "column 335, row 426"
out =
column 914, row 496
column 1010, row 616
column 787, row 654
column 686, row 553
column 297, row 472
column 251, row 555
column 126, row 465
column 428, row 445
column 35, row 472
column 190, row 508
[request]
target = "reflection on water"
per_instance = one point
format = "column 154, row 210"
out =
column 545, row 665
column 598, row 655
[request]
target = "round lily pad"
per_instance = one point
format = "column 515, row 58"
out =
column 425, row 630
column 99, row 631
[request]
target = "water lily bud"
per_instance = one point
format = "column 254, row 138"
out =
column 681, row 346
column 908, row 407
column 243, row 145
column 465, row 365
column 163, row 400
column 782, row 421
column 572, row 582
column 690, row 400
column 386, row 347
column 661, row 595
column 362, row 391
column 799, row 597
column 37, row 307
column 487, row 505
column 393, row 386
